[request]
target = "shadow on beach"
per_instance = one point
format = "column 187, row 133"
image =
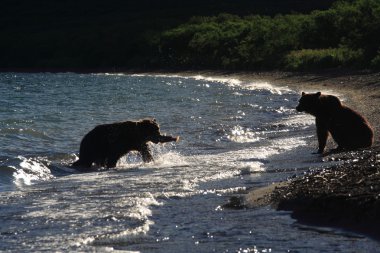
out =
column 345, row 196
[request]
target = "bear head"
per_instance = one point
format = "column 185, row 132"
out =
column 316, row 103
column 309, row 103
column 150, row 130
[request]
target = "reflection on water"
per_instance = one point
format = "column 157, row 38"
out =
column 234, row 136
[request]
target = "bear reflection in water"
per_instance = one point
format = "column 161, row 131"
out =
column 106, row 144
column 348, row 128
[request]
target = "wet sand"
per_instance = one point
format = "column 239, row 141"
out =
column 346, row 196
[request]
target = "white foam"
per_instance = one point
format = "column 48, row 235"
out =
column 111, row 74
column 232, row 82
column 139, row 209
column 219, row 175
column 286, row 144
column 30, row 170
column 266, row 86
column 224, row 80
column 283, row 109
column 169, row 159
column 140, row 206
column 214, row 169
column 131, row 235
column 251, row 167
column 162, row 158
column 252, row 160
column 223, row 191
column 242, row 135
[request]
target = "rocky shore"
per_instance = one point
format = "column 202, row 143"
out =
column 346, row 195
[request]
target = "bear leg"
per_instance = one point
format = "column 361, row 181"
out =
column 322, row 133
column 82, row 163
column 145, row 153
column 111, row 162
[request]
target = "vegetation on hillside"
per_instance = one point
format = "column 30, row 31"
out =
column 346, row 35
column 254, row 35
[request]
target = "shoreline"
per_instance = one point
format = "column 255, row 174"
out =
column 360, row 90
column 348, row 196
column 345, row 196
column 324, row 203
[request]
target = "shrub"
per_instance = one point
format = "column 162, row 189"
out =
column 375, row 63
column 309, row 59
column 346, row 35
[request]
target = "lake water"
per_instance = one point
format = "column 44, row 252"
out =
column 234, row 136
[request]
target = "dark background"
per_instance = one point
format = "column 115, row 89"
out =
column 113, row 34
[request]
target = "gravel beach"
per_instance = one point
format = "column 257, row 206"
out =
column 347, row 195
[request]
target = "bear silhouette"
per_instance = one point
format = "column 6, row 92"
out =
column 348, row 128
column 106, row 144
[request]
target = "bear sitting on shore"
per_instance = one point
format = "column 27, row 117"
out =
column 347, row 127
column 106, row 144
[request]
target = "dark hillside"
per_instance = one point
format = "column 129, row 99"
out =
column 106, row 34
column 344, row 36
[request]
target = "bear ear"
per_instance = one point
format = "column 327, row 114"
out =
column 303, row 93
column 148, row 120
column 319, row 93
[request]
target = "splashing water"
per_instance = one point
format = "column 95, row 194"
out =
column 235, row 135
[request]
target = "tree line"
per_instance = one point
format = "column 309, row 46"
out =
column 194, row 34
column 346, row 35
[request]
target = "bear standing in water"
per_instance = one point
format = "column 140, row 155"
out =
column 106, row 144
column 347, row 127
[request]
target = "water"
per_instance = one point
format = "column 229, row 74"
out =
column 234, row 135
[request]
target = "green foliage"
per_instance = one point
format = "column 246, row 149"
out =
column 346, row 35
column 227, row 41
column 155, row 34
column 309, row 59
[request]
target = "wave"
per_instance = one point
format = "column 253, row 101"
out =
column 30, row 170
column 25, row 132
column 22, row 171
column 266, row 86
column 242, row 135
column 232, row 82
column 6, row 178
column 138, row 213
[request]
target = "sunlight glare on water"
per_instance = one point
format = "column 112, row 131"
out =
column 234, row 135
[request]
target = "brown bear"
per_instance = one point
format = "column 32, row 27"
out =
column 105, row 144
column 347, row 127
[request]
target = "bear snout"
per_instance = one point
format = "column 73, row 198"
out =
column 299, row 108
column 154, row 139
column 164, row 138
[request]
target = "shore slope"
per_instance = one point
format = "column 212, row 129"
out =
column 347, row 195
